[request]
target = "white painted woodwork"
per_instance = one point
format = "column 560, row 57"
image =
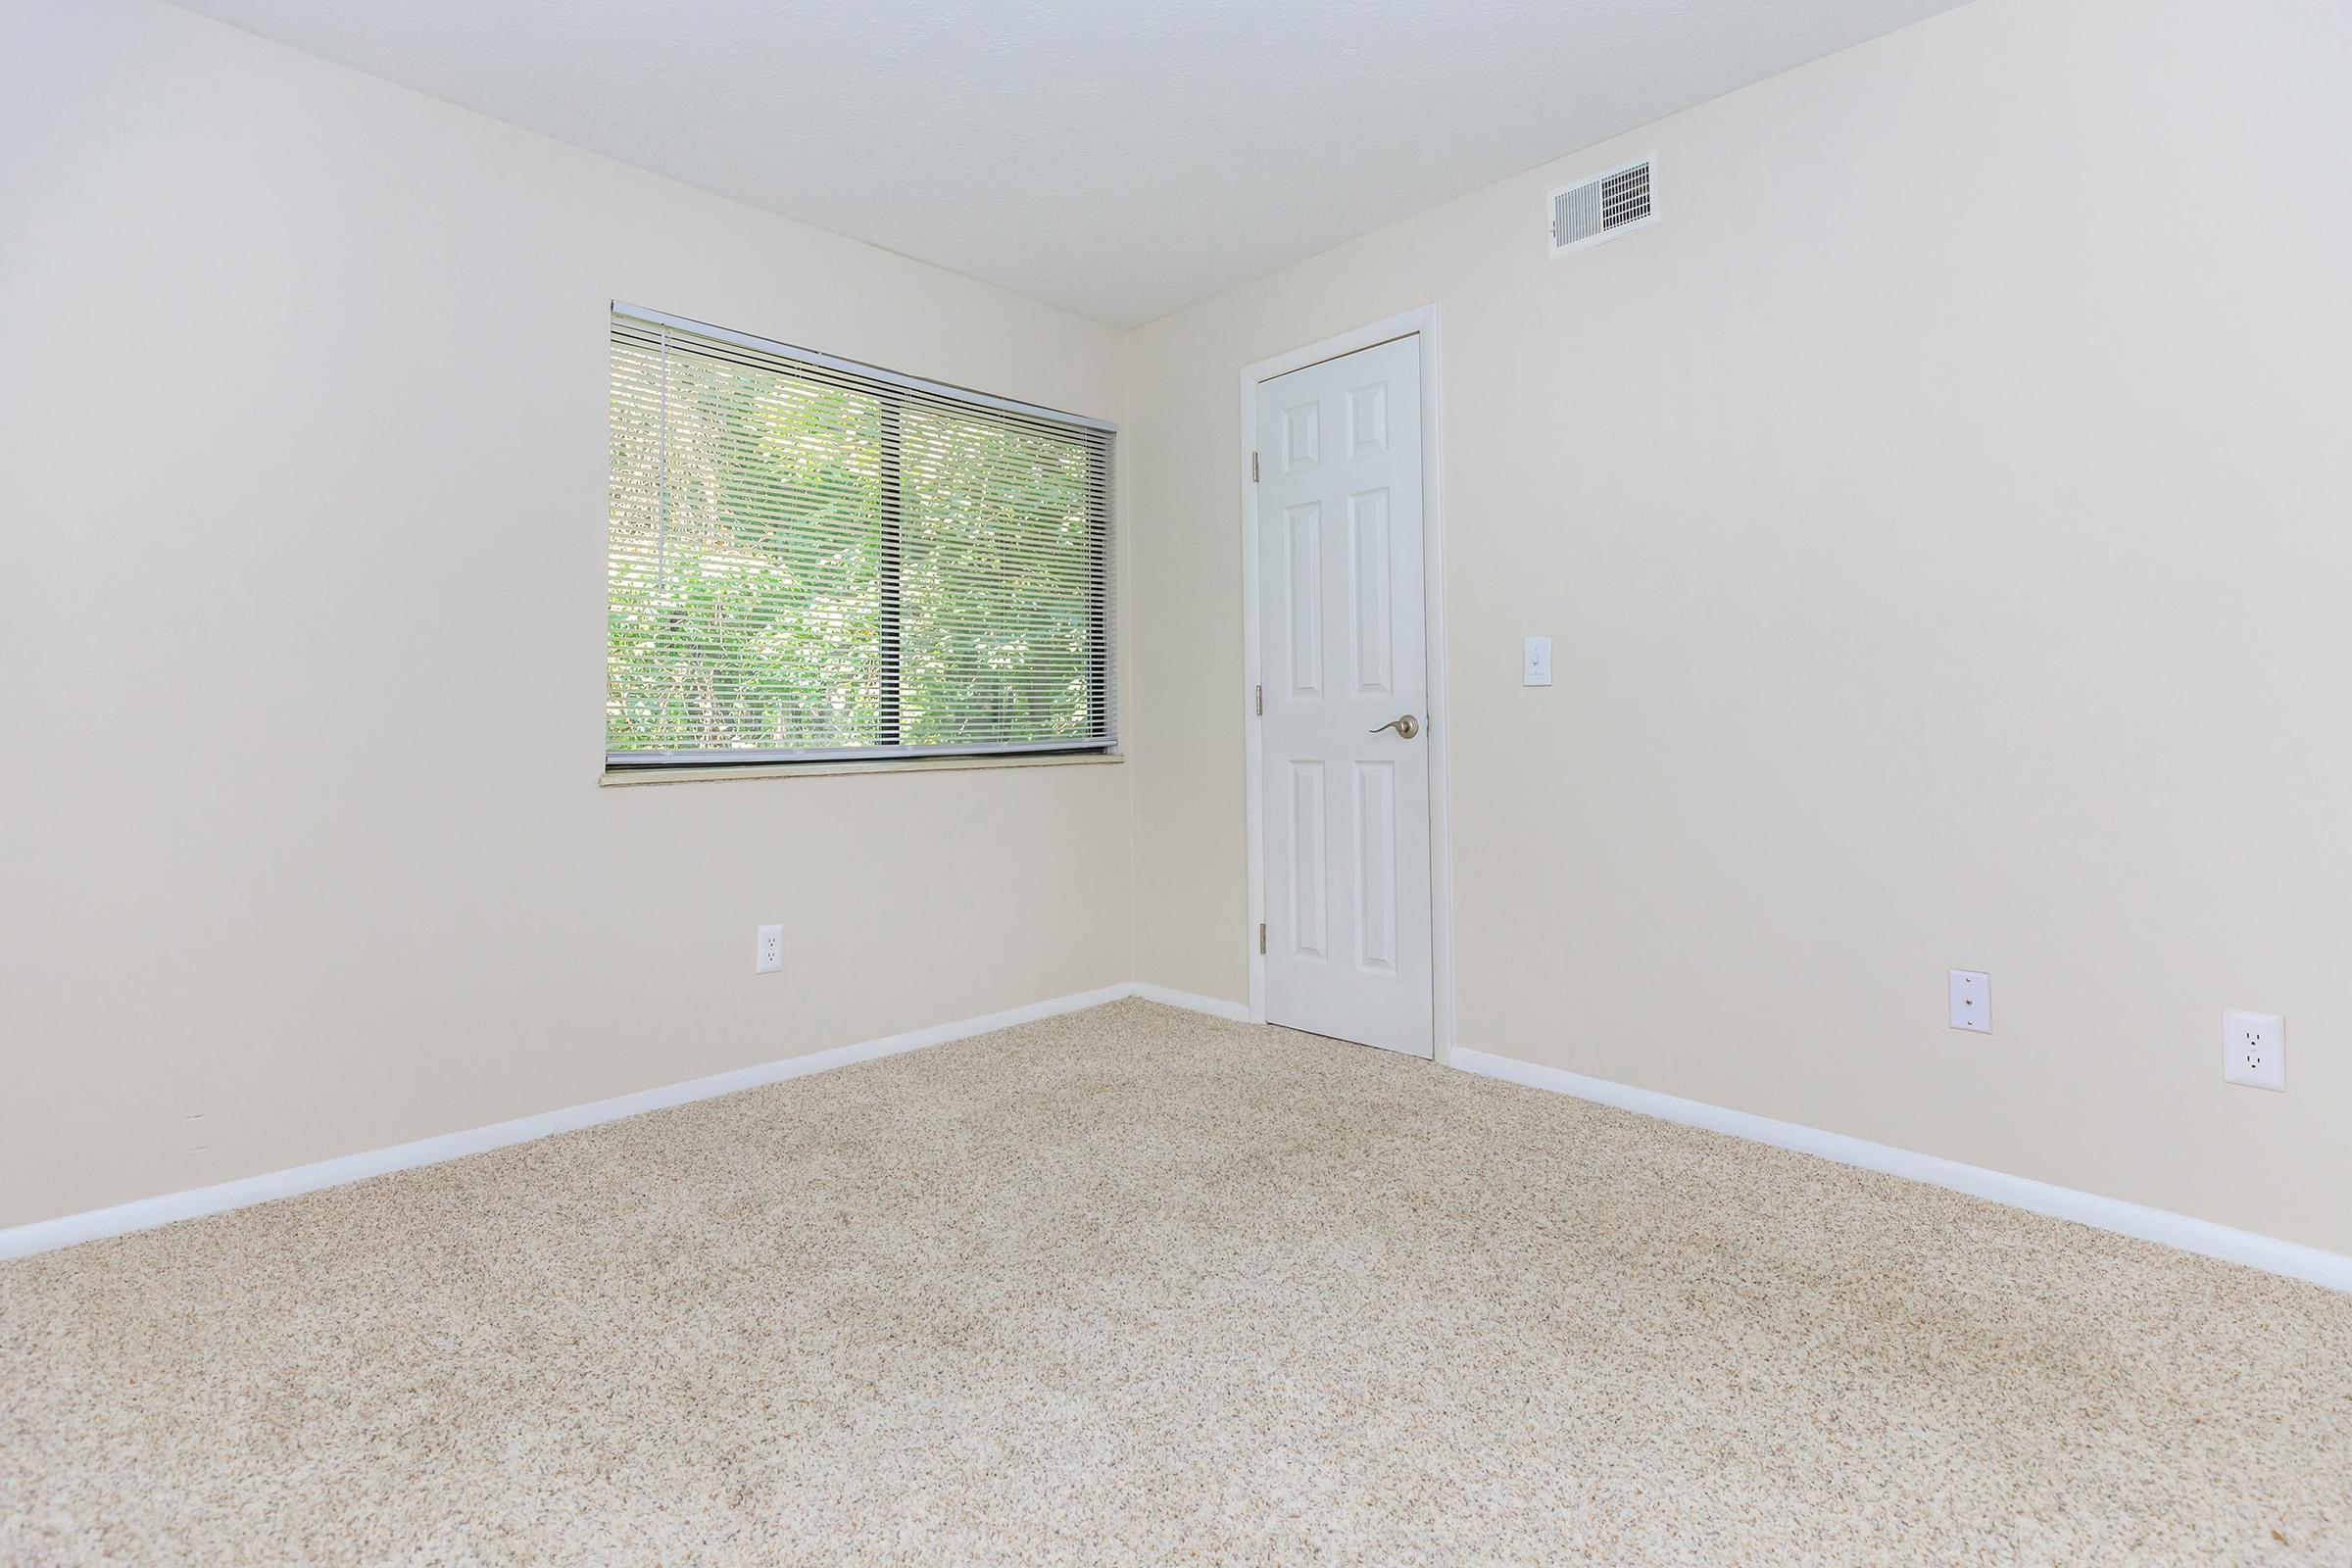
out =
column 1347, row 801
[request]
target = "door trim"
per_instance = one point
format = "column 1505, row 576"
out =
column 1422, row 323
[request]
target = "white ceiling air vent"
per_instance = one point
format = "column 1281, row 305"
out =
column 1604, row 205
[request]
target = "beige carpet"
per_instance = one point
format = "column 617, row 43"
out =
column 1135, row 1285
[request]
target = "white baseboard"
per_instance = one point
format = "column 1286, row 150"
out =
column 2199, row 1236
column 1193, row 1001
column 147, row 1213
column 2088, row 1209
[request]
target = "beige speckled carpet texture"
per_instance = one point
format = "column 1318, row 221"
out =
column 1139, row 1286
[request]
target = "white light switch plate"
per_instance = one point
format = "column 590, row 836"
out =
column 1536, row 669
column 2254, row 1048
column 1972, row 1000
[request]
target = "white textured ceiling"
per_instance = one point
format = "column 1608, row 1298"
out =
column 1121, row 158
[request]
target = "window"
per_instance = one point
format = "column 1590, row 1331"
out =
column 812, row 560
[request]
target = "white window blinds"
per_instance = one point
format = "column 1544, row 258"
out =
column 812, row 560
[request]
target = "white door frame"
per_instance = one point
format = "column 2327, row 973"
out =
column 1421, row 322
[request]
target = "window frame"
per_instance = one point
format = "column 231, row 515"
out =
column 889, row 749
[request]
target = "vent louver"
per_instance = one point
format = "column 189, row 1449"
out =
column 1603, row 205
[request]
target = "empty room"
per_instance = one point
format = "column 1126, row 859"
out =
column 1277, row 782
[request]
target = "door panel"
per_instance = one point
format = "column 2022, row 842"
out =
column 1372, row 646
column 1303, row 628
column 1309, row 892
column 1340, row 621
column 1376, row 868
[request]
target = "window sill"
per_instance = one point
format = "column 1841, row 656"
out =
column 885, row 765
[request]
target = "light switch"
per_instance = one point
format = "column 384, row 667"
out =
column 1537, row 670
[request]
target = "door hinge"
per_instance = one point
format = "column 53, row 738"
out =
column 1261, row 936
column 1253, row 468
column 1262, row 702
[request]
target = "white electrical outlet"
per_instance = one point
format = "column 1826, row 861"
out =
column 1535, row 668
column 1972, row 1000
column 770, row 958
column 2254, row 1048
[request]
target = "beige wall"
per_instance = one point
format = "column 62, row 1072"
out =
column 303, row 557
column 1946, row 518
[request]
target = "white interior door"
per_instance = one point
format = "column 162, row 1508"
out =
column 1344, row 783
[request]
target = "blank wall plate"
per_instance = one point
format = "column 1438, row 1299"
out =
column 769, row 960
column 2254, row 1048
column 1972, row 1000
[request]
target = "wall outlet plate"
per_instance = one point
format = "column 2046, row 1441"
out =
column 1972, row 1000
column 2254, row 1048
column 769, row 959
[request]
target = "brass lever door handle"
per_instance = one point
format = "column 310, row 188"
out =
column 1406, row 725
